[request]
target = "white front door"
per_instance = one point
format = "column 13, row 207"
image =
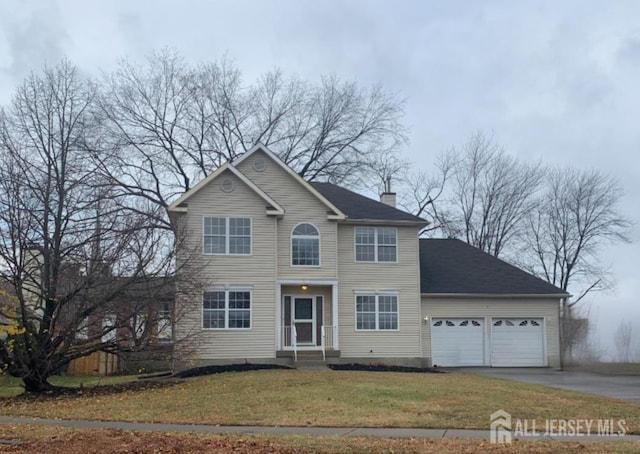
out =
column 303, row 318
column 457, row 342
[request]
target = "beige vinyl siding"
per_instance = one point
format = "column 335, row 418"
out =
column 300, row 206
column 256, row 270
column 487, row 308
column 401, row 277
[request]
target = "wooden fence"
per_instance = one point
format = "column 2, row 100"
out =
column 97, row 363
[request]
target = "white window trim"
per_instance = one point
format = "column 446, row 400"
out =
column 165, row 324
column 375, row 245
column 227, row 235
column 110, row 321
column 319, row 265
column 226, row 291
column 376, row 293
column 82, row 330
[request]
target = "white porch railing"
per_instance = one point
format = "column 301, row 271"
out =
column 294, row 334
column 328, row 336
column 290, row 339
column 327, row 341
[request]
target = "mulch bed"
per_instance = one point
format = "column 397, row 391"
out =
column 385, row 368
column 209, row 370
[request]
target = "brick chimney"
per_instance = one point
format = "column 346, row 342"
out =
column 388, row 197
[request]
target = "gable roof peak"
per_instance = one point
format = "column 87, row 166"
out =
column 335, row 212
column 273, row 207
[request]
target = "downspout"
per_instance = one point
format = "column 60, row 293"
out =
column 419, row 290
column 561, row 331
column 277, row 290
column 334, row 294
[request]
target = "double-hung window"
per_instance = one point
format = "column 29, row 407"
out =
column 226, row 235
column 376, row 311
column 376, row 244
column 305, row 245
column 226, row 309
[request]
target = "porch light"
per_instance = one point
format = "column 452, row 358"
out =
column 426, row 319
column 304, row 287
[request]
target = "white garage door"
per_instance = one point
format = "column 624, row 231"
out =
column 517, row 342
column 457, row 341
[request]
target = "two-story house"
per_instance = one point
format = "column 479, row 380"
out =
column 295, row 266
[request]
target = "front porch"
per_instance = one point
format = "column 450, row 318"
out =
column 307, row 318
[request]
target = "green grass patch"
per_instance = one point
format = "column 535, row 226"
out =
column 350, row 399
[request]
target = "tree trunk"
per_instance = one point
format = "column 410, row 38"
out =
column 36, row 384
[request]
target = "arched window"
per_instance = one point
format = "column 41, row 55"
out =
column 305, row 245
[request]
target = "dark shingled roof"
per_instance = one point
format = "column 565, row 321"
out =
column 357, row 206
column 453, row 266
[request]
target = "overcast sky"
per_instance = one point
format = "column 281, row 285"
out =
column 554, row 81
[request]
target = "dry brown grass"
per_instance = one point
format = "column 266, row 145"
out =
column 66, row 441
column 350, row 399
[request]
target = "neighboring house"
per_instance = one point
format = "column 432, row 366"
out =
column 138, row 325
column 130, row 316
column 140, row 314
column 297, row 266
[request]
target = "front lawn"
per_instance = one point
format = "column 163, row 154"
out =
column 351, row 399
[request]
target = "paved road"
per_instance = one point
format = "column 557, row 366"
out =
column 279, row 430
column 625, row 387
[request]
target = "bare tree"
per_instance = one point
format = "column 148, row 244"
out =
column 70, row 250
column 575, row 327
column 170, row 124
column 551, row 222
column 565, row 233
column 578, row 214
column 424, row 194
column 623, row 341
column 388, row 168
column 586, row 348
column 483, row 194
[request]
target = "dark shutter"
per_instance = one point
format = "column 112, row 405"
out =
column 319, row 320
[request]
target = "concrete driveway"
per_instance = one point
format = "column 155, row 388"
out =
column 625, row 387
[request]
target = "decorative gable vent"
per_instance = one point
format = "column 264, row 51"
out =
column 227, row 185
column 259, row 165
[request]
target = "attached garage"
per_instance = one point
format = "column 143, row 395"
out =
column 478, row 310
column 517, row 342
column 512, row 342
column 457, row 341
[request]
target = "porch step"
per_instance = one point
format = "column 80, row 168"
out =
column 309, row 355
column 311, row 365
column 310, row 360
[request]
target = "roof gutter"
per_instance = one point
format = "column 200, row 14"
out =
column 385, row 222
column 495, row 295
